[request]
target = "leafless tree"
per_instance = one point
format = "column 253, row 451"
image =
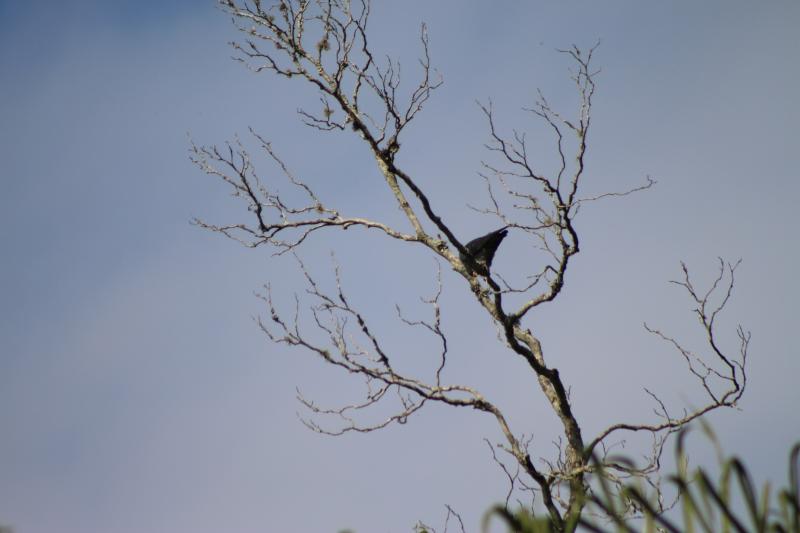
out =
column 325, row 43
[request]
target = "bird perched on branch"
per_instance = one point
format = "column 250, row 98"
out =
column 483, row 248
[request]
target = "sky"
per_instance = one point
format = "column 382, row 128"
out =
column 138, row 395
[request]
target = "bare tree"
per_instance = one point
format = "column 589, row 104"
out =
column 325, row 43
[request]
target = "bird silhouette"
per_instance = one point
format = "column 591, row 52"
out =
column 483, row 248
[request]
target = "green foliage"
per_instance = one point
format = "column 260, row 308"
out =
column 731, row 504
column 520, row 521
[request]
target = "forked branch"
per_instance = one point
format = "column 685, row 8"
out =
column 722, row 376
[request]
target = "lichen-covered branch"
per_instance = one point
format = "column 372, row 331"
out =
column 278, row 222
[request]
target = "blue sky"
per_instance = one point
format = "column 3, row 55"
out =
column 136, row 394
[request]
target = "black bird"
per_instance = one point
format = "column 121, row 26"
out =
column 483, row 248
